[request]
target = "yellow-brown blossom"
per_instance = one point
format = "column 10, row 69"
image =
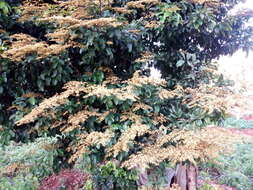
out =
column 17, row 53
column 145, row 57
column 138, row 80
column 60, row 36
column 212, row 98
column 122, row 10
column 100, row 22
column 141, row 4
column 127, row 137
column 62, row 21
column 190, row 146
column 86, row 140
column 152, row 24
column 73, row 88
column 20, row 40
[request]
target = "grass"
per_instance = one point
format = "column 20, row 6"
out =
column 238, row 123
column 236, row 169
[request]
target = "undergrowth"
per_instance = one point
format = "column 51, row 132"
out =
column 36, row 158
column 238, row 123
column 235, row 170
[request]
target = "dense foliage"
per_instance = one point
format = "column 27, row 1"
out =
column 79, row 71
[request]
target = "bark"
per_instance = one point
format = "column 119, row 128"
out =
column 186, row 176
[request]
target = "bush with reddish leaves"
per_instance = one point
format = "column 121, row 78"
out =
column 66, row 179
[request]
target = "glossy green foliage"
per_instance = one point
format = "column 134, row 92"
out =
column 110, row 176
column 191, row 35
column 188, row 38
column 5, row 9
column 116, row 48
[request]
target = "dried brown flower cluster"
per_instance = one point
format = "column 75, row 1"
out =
column 204, row 144
column 138, row 80
column 78, row 9
column 207, row 2
column 145, row 56
column 100, row 22
column 25, row 46
column 80, row 117
column 86, row 140
column 191, row 146
column 152, row 24
column 136, row 130
column 13, row 168
column 31, row 10
column 203, row 1
column 140, row 105
column 178, row 91
column 122, row 10
column 19, row 40
column 141, row 4
column 212, row 98
column 75, row 120
column 61, row 36
column 73, row 88
column 77, row 15
column 32, row 94
column 62, row 20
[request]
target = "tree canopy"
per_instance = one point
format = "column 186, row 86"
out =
column 80, row 70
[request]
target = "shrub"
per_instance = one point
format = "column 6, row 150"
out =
column 207, row 187
column 20, row 182
column 37, row 158
column 65, row 179
column 109, row 176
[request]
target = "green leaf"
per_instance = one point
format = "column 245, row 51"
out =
column 4, row 8
column 54, row 82
column 116, row 101
column 180, row 63
column 48, row 81
column 32, row 101
column 98, row 77
column 156, row 108
column 130, row 47
column 40, row 85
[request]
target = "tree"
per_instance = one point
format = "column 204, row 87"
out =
column 110, row 113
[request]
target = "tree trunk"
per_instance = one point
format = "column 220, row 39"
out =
column 186, row 176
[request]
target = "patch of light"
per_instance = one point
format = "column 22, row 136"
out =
column 238, row 68
column 243, row 5
column 155, row 73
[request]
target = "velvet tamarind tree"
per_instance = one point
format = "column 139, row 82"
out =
column 80, row 69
